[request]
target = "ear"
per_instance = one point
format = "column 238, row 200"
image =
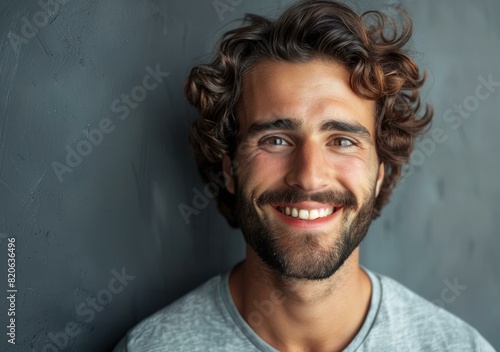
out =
column 228, row 173
column 380, row 178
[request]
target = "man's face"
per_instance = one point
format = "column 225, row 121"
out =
column 306, row 172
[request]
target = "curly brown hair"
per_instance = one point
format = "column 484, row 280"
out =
column 370, row 46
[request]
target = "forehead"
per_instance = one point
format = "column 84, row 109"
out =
column 311, row 92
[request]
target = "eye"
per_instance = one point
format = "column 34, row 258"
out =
column 273, row 141
column 343, row 142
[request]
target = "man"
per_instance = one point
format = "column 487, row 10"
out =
column 310, row 119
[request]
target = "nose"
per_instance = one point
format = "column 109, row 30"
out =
column 309, row 169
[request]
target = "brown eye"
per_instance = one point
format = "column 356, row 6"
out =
column 343, row 142
column 275, row 141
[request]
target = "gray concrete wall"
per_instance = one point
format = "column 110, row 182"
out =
column 107, row 224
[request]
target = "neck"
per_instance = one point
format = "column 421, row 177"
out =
column 301, row 315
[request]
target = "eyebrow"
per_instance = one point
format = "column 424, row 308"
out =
column 273, row 125
column 334, row 125
column 288, row 124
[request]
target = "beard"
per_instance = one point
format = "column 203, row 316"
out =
column 303, row 254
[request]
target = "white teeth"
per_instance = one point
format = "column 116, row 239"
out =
column 307, row 214
column 303, row 214
column 313, row 214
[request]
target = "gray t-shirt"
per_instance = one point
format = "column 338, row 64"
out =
column 206, row 319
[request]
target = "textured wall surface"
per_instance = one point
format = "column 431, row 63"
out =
column 94, row 164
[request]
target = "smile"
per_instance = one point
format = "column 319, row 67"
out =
column 307, row 214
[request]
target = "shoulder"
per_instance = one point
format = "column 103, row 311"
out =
column 410, row 321
column 183, row 322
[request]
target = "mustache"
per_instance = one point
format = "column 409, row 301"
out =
column 293, row 195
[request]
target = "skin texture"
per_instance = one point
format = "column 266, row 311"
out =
column 307, row 269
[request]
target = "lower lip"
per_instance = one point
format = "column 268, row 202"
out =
column 308, row 224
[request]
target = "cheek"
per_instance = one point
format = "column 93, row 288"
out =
column 347, row 169
column 354, row 174
column 258, row 171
